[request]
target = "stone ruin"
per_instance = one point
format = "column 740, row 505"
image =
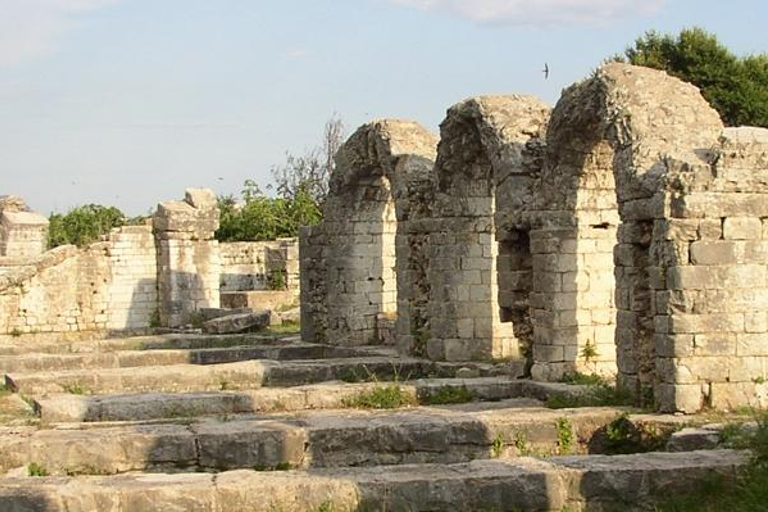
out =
column 624, row 232
column 170, row 273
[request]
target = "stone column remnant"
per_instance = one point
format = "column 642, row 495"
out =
column 23, row 233
column 188, row 256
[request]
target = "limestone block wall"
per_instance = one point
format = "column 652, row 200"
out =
column 133, row 289
column 313, row 288
column 107, row 286
column 259, row 265
column 188, row 256
column 135, row 279
column 711, row 299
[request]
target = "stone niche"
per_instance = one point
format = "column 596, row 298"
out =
column 621, row 233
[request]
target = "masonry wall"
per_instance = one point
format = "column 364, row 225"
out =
column 259, row 265
column 107, row 286
column 479, row 261
column 136, row 279
column 712, row 299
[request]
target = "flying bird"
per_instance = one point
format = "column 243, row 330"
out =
column 546, row 71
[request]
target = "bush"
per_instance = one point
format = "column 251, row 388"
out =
column 265, row 218
column 83, row 225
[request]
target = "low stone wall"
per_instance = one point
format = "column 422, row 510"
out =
column 107, row 286
column 252, row 266
column 139, row 277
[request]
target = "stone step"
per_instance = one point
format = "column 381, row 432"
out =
column 329, row 395
column 60, row 408
column 316, row 439
column 595, row 482
column 184, row 341
column 133, row 358
column 182, row 378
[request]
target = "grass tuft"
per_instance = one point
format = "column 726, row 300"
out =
column 449, row 395
column 37, row 470
column 599, row 393
column 749, row 491
column 381, row 397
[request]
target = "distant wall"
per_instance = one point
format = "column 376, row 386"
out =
column 256, row 266
column 139, row 277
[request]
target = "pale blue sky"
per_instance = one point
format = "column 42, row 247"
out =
column 128, row 102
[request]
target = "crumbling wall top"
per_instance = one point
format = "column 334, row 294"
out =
column 375, row 149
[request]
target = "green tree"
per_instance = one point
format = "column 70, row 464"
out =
column 736, row 87
column 83, row 225
column 301, row 184
column 265, row 218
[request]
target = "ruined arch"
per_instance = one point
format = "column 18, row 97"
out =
column 601, row 243
column 349, row 284
column 486, row 165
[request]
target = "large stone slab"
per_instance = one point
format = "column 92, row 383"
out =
column 241, row 322
column 319, row 439
column 178, row 378
column 624, row 482
column 76, row 408
column 135, row 358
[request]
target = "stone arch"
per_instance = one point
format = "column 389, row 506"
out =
column 600, row 216
column 485, row 168
column 349, row 261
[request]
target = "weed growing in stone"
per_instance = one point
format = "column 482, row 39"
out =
column 381, row 397
column 497, row 446
column 4, row 389
column 449, row 395
column 74, row 389
column 326, row 506
column 565, row 436
column 521, row 443
column 589, row 352
column 15, row 332
column 284, row 329
column 37, row 470
column 598, row 393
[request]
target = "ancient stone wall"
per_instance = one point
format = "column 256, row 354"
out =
column 107, row 286
column 259, row 265
column 115, row 284
column 710, row 281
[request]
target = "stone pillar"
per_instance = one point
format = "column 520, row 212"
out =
column 313, row 290
column 188, row 256
column 23, row 234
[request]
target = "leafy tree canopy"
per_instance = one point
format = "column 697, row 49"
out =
column 736, row 87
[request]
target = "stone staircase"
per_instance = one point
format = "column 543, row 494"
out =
column 257, row 423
